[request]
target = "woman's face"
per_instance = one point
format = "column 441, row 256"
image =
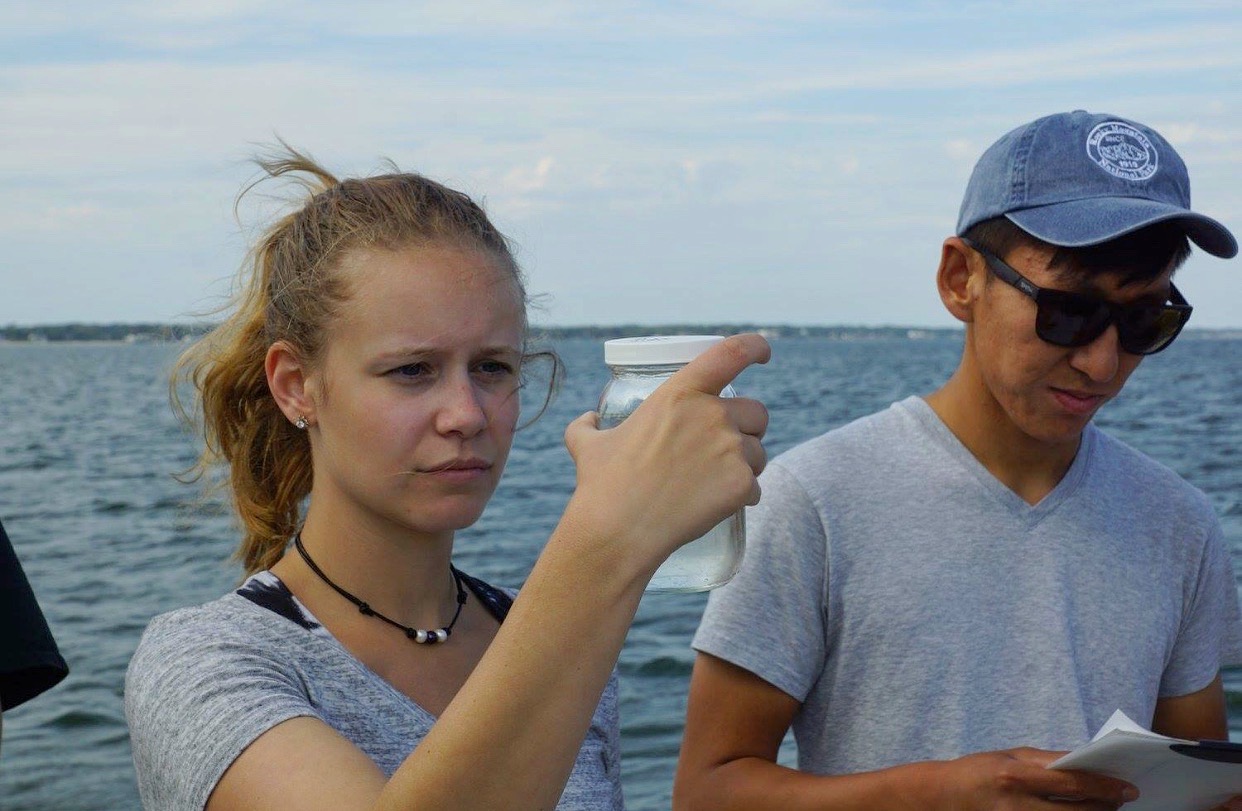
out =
column 416, row 395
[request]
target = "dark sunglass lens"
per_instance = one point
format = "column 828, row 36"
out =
column 1144, row 330
column 1066, row 319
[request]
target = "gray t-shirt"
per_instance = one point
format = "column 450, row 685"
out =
column 919, row 609
column 207, row 681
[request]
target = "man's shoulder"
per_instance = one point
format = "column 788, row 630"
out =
column 861, row 439
column 1120, row 462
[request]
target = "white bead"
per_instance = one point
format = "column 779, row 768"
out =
column 421, row 636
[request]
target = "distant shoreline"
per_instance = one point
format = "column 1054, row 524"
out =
column 173, row 333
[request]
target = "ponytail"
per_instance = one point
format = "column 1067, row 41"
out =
column 289, row 291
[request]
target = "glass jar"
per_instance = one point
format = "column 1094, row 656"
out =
column 639, row 366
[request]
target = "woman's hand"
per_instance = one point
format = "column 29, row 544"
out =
column 680, row 464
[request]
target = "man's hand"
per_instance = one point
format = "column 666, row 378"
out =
column 1019, row 779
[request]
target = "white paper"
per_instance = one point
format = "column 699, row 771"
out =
column 1167, row 780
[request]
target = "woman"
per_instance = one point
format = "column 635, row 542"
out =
column 373, row 366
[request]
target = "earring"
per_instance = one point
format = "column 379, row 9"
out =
column 301, row 423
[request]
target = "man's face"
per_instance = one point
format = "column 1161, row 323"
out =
column 1049, row 393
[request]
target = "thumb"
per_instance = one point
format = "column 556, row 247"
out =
column 1040, row 757
column 711, row 371
column 576, row 432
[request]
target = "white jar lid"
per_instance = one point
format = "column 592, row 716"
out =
column 657, row 350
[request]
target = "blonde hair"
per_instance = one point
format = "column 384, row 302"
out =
column 289, row 290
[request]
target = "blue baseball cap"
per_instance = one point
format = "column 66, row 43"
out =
column 1078, row 179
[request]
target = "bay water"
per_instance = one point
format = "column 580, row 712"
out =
column 109, row 538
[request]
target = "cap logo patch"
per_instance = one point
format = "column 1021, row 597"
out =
column 1122, row 151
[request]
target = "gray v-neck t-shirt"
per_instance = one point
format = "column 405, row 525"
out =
column 207, row 681
column 919, row 609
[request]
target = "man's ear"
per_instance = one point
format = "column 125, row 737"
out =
column 287, row 379
column 959, row 280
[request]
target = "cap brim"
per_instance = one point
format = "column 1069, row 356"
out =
column 1079, row 223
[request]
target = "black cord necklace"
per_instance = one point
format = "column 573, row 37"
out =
column 414, row 634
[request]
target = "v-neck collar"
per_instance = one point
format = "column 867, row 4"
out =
column 926, row 416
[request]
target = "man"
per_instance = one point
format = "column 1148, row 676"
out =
column 29, row 660
column 932, row 588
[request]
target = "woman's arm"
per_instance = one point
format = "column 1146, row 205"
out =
column 677, row 466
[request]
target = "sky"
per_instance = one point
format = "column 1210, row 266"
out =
column 747, row 161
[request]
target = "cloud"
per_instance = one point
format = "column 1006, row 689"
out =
column 1179, row 50
column 196, row 25
column 48, row 219
column 1185, row 133
column 687, row 139
column 525, row 179
column 962, row 149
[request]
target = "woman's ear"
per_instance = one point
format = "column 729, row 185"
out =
column 288, row 380
column 958, row 280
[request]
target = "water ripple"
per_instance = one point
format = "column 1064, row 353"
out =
column 109, row 538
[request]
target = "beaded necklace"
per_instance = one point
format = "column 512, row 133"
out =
column 413, row 634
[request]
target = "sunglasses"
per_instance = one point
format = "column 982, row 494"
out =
column 1074, row 319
